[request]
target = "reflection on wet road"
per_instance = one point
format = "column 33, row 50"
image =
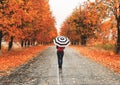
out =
column 59, row 77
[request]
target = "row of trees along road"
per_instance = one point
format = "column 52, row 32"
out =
column 85, row 22
column 26, row 21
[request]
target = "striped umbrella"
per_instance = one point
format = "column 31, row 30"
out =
column 61, row 41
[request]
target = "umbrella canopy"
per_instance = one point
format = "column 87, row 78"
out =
column 61, row 41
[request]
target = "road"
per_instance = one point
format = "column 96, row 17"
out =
column 77, row 70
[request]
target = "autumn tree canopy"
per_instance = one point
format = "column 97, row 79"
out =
column 84, row 21
column 87, row 21
column 26, row 21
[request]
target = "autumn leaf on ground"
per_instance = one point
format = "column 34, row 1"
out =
column 17, row 57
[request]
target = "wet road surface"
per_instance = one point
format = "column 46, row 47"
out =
column 77, row 70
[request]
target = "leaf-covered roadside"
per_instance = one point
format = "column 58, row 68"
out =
column 106, row 58
column 17, row 57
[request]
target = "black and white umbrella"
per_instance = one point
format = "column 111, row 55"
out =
column 61, row 41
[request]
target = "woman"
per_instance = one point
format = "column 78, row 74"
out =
column 60, row 54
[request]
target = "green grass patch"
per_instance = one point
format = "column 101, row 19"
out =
column 106, row 46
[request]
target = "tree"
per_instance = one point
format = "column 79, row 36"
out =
column 84, row 21
column 112, row 7
column 25, row 21
column 3, row 5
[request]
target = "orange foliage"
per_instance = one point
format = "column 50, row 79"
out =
column 35, row 15
column 83, row 21
column 106, row 25
column 93, row 20
column 108, row 59
column 18, row 57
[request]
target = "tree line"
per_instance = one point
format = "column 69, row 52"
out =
column 26, row 22
column 88, row 21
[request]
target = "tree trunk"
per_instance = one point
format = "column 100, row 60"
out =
column 10, row 43
column 118, row 34
column 83, row 40
column 1, row 35
column 33, row 42
column 22, row 43
column 25, row 43
column 28, row 43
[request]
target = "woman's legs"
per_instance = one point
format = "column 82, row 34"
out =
column 60, row 58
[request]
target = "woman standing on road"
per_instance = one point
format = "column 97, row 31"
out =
column 61, row 42
column 60, row 54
